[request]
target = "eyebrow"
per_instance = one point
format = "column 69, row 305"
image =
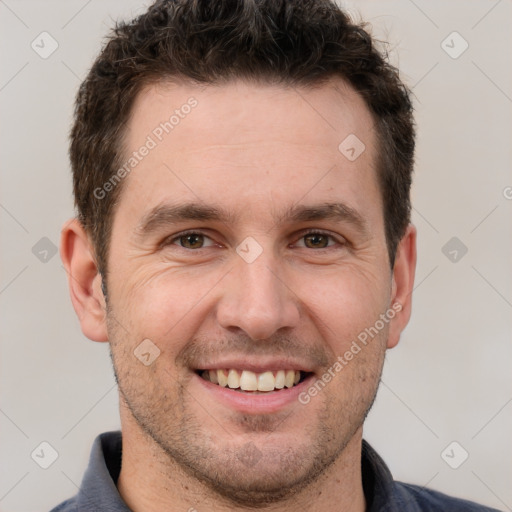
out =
column 165, row 215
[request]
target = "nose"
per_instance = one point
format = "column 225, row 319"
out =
column 257, row 299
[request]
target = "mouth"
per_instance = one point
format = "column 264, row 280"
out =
column 253, row 387
column 254, row 383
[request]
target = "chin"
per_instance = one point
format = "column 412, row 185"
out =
column 255, row 473
column 264, row 483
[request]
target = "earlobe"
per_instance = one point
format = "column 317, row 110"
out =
column 84, row 280
column 402, row 285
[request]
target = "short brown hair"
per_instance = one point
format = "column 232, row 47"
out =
column 287, row 42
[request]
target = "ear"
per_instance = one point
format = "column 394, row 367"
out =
column 84, row 280
column 402, row 285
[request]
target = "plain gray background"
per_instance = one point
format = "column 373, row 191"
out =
column 448, row 380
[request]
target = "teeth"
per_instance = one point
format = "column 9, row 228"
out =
column 280, row 378
column 266, row 381
column 222, row 378
column 289, row 378
column 233, row 379
column 250, row 381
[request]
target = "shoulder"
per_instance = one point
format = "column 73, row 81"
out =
column 66, row 506
column 429, row 500
column 384, row 494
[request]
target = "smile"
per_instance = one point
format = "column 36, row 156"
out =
column 249, row 381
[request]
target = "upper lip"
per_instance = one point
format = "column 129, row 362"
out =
column 256, row 365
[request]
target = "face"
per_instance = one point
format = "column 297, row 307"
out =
column 248, row 248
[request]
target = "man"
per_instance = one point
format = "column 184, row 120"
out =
column 243, row 242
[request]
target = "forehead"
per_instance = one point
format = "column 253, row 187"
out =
column 244, row 143
column 322, row 114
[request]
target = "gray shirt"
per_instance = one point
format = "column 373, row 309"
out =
column 98, row 492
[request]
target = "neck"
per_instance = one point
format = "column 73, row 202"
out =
column 151, row 481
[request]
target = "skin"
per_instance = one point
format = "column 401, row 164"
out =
column 255, row 149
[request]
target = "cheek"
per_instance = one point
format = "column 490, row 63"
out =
column 346, row 302
column 162, row 303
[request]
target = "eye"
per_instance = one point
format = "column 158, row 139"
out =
column 318, row 240
column 190, row 240
column 195, row 240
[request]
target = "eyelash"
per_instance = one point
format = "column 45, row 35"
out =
column 170, row 241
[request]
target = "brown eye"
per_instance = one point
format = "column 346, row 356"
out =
column 189, row 240
column 192, row 241
column 316, row 241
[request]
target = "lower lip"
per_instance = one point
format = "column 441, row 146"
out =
column 251, row 403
